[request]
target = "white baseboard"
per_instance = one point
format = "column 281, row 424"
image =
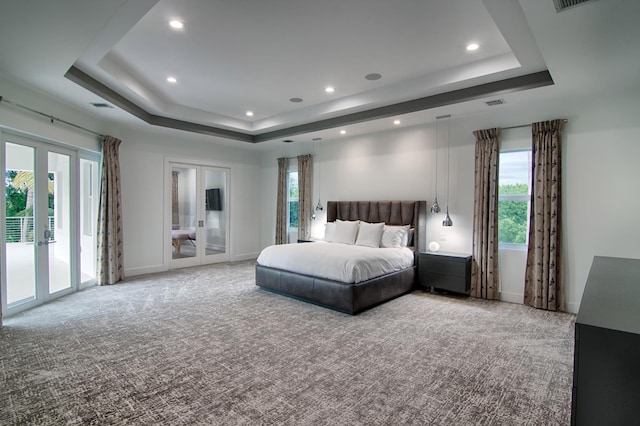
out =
column 244, row 256
column 572, row 308
column 131, row 272
column 512, row 297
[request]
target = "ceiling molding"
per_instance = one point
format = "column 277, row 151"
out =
column 85, row 80
column 525, row 82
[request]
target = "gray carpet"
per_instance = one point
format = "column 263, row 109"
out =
column 204, row 345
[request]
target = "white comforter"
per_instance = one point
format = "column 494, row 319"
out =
column 338, row 262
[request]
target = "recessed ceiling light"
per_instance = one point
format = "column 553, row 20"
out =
column 343, row 132
column 373, row 76
column 176, row 24
column 396, row 122
column 295, row 100
column 249, row 113
column 172, row 79
column 329, row 89
column 472, row 46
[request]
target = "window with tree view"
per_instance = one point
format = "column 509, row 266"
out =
column 514, row 197
column 292, row 198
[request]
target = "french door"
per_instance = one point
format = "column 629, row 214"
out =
column 40, row 239
column 199, row 220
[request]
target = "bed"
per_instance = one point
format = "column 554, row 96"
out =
column 357, row 291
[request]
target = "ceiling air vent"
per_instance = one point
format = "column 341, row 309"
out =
column 101, row 105
column 566, row 4
column 287, row 141
column 495, row 102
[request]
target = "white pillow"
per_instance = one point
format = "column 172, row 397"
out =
column 369, row 234
column 329, row 231
column 395, row 236
column 346, row 231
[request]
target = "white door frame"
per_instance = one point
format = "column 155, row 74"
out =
column 169, row 162
column 42, row 147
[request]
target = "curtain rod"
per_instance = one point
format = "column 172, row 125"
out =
column 564, row 120
column 50, row 117
column 293, row 158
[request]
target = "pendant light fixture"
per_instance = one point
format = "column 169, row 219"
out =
column 447, row 219
column 435, row 208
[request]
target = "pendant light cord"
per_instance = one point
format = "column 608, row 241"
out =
column 448, row 163
column 437, row 135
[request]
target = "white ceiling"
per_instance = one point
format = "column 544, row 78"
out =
column 236, row 55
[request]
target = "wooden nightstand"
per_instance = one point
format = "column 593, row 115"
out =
column 445, row 271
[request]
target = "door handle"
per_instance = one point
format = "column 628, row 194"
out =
column 47, row 236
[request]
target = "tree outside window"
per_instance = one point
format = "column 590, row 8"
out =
column 292, row 198
column 514, row 197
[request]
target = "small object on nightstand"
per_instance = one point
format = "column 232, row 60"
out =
column 434, row 246
column 445, row 271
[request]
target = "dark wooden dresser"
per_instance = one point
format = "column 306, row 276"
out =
column 606, row 370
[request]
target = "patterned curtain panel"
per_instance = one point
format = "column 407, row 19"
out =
column 281, row 203
column 543, row 287
column 304, row 196
column 484, row 267
column 109, row 246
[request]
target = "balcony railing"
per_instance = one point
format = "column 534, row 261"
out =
column 19, row 229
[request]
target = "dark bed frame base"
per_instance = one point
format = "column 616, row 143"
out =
column 349, row 297
column 344, row 297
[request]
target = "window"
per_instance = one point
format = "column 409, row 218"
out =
column 292, row 198
column 514, row 197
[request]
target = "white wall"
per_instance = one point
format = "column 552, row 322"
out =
column 40, row 127
column 142, row 159
column 600, row 171
column 142, row 155
column 601, row 148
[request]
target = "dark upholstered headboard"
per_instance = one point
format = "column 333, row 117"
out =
column 412, row 213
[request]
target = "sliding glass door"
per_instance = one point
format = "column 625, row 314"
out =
column 40, row 239
column 199, row 231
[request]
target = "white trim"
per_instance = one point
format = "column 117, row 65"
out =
column 245, row 256
column 512, row 297
column 132, row 272
column 169, row 162
column 42, row 147
column 513, row 246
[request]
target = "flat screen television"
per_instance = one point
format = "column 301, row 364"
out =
column 213, row 200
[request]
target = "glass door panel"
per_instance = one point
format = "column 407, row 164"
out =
column 199, row 214
column 184, row 212
column 19, row 224
column 215, row 215
column 58, row 222
column 89, row 198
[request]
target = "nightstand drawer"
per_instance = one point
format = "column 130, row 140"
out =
column 444, row 265
column 442, row 271
column 447, row 282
